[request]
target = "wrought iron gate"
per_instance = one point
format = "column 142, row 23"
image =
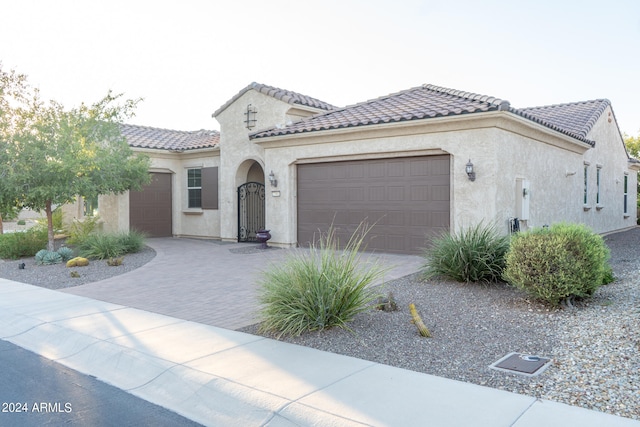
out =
column 250, row 211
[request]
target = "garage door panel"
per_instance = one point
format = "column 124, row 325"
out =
column 150, row 208
column 407, row 197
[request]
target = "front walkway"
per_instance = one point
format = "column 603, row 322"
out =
column 206, row 281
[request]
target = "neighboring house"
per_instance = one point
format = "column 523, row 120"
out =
column 293, row 164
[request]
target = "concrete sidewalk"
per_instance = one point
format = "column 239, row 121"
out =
column 220, row 377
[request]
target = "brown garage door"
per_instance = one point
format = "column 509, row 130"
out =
column 408, row 198
column 150, row 209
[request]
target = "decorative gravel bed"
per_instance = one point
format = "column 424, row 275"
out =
column 595, row 347
column 58, row 276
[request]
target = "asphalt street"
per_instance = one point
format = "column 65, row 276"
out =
column 35, row 391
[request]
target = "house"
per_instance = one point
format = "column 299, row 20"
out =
column 414, row 163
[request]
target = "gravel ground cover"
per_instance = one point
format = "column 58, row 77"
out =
column 58, row 276
column 595, row 346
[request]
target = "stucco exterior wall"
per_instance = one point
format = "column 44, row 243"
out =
column 504, row 151
column 238, row 154
column 203, row 223
column 114, row 209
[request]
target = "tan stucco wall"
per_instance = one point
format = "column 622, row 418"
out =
column 503, row 149
column 238, row 154
column 114, row 209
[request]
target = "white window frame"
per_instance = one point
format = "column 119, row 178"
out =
column 585, row 194
column 598, row 182
column 625, row 194
column 191, row 188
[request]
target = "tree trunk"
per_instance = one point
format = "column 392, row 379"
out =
column 51, row 245
column 1, row 226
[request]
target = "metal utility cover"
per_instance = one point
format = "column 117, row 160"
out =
column 523, row 364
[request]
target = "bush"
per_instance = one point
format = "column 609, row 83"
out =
column 320, row 289
column 559, row 263
column 56, row 219
column 79, row 230
column 133, row 241
column 475, row 254
column 110, row 245
column 22, row 244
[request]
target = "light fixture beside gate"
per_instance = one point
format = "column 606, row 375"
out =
column 470, row 172
column 272, row 179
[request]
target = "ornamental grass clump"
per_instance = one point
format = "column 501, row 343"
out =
column 558, row 264
column 474, row 254
column 319, row 288
column 102, row 245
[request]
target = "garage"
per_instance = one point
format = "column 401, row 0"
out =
column 407, row 198
column 150, row 208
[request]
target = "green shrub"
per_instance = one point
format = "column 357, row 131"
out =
column 318, row 289
column 475, row 254
column 101, row 246
column 557, row 264
column 56, row 219
column 79, row 230
column 133, row 241
column 66, row 253
column 110, row 245
column 22, row 244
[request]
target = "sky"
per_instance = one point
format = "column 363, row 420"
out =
column 186, row 58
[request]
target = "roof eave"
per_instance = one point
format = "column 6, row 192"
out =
column 497, row 118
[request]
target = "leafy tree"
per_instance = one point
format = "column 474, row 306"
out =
column 633, row 147
column 55, row 155
column 12, row 91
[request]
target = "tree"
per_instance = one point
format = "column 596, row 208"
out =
column 56, row 155
column 13, row 89
column 633, row 147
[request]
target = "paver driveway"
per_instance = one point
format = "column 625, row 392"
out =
column 206, row 281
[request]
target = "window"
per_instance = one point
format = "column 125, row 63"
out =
column 202, row 188
column 626, row 194
column 194, row 188
column 90, row 206
column 586, row 183
column 598, row 185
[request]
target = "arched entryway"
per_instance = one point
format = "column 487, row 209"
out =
column 251, row 194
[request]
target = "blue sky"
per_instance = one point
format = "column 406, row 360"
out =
column 188, row 57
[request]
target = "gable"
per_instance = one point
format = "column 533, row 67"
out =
column 293, row 98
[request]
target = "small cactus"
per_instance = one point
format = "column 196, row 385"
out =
column 422, row 329
column 78, row 262
column 75, row 274
column 114, row 262
column 66, row 253
column 387, row 304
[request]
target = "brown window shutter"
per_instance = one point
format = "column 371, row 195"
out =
column 210, row 188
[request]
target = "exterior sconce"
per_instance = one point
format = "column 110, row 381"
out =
column 273, row 180
column 250, row 121
column 470, row 173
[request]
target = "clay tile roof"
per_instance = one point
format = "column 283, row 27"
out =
column 165, row 139
column 575, row 119
column 420, row 102
column 287, row 96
